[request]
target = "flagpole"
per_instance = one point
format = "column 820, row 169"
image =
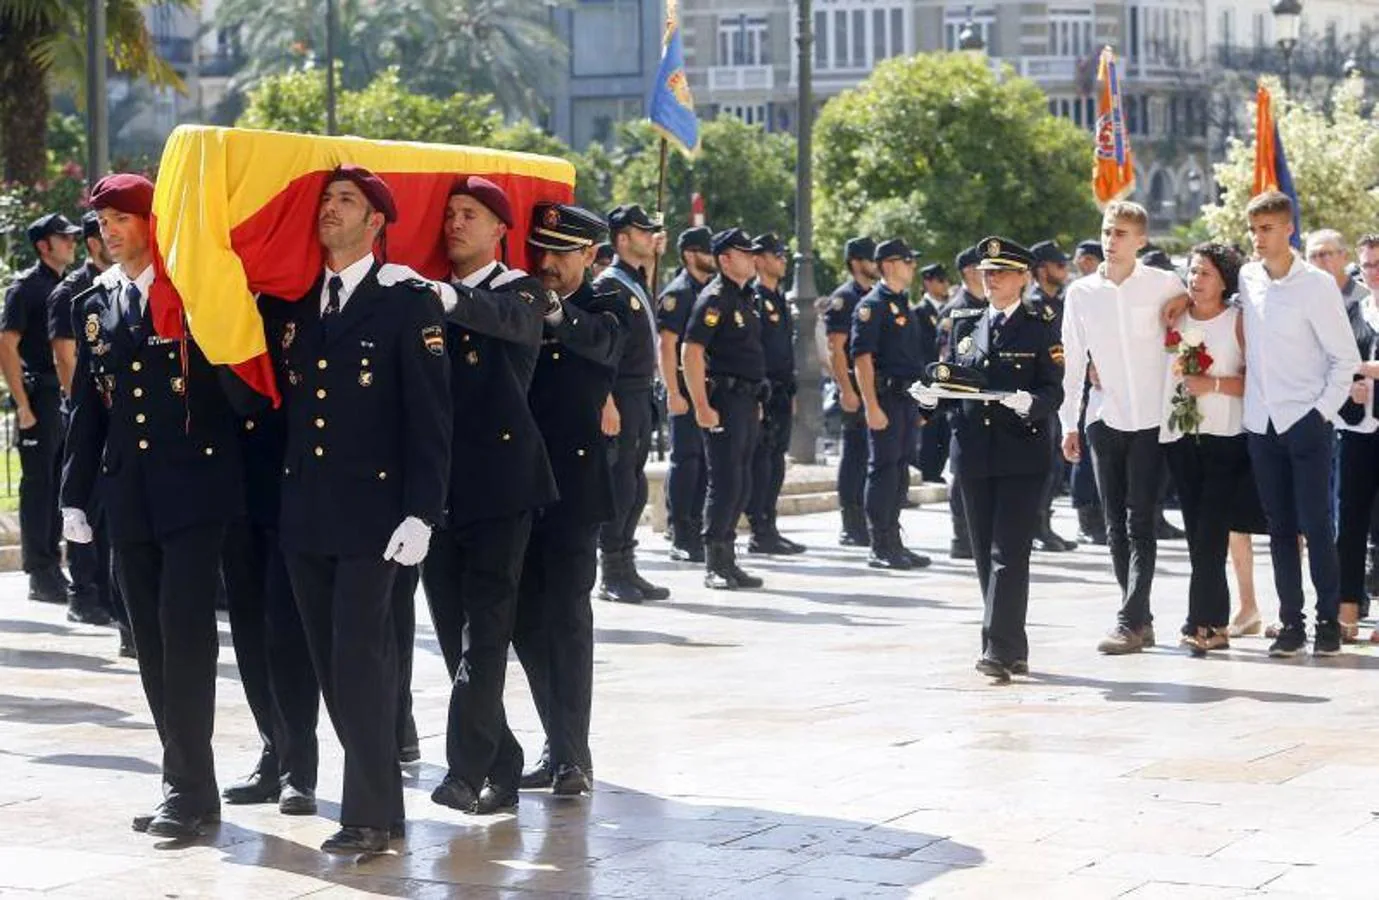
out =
column 660, row 207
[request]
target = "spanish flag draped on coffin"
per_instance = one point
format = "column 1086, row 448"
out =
column 234, row 214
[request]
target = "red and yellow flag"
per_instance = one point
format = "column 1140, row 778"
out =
column 1271, row 162
column 235, row 215
column 1113, row 176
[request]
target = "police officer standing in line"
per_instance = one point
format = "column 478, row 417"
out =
column 554, row 635
column 366, row 388
column 26, row 361
column 499, row 476
column 933, row 434
column 852, row 461
column 603, row 258
column 925, row 311
column 94, row 600
column 970, row 301
column 725, row 370
column 889, row 351
column 998, row 447
column 635, row 238
column 686, row 480
column 1087, row 257
column 778, row 343
column 153, row 434
column 1050, row 276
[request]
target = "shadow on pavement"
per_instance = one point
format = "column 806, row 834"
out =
column 57, row 659
column 1168, row 691
column 761, row 614
column 55, row 711
column 98, row 761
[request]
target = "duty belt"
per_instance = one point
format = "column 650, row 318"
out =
column 783, row 387
column 734, row 385
column 887, row 384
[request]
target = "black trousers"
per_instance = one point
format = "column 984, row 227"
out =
column 686, row 477
column 471, row 577
column 1002, row 514
column 93, row 569
column 933, row 447
column 730, row 450
column 347, row 609
column 1206, row 469
column 852, row 462
column 887, row 453
column 1128, row 465
column 554, row 633
column 768, row 460
column 1083, row 477
column 40, row 451
column 170, row 587
column 1359, row 487
column 405, row 628
column 275, row 667
column 633, row 443
column 1292, row 470
column 1058, row 471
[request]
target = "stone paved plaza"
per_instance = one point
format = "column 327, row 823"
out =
column 824, row 737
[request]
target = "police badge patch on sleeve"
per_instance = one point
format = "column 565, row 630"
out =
column 711, row 316
column 433, row 337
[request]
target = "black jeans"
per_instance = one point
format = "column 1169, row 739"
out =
column 40, row 525
column 1358, row 476
column 1293, row 471
column 1206, row 470
column 730, row 451
column 1128, row 465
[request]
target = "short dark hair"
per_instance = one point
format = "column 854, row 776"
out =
column 1227, row 260
column 1367, row 240
column 1270, row 203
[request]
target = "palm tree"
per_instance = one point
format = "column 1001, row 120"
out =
column 43, row 40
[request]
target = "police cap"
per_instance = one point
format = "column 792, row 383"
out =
column 732, row 239
column 1048, row 252
column 90, row 225
column 1000, row 254
column 955, row 377
column 967, row 258
column 604, row 253
column 768, row 243
column 1155, row 258
column 49, row 225
column 860, row 248
column 631, row 215
column 562, row 228
column 697, row 238
column 934, row 270
column 1090, row 248
column 895, row 248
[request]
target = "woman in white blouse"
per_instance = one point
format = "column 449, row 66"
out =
column 1211, row 464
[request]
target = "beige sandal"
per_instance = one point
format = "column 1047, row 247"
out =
column 1350, row 624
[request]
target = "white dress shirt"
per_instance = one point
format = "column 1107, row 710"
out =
column 143, row 281
column 476, row 278
column 350, row 279
column 1300, row 352
column 1119, row 327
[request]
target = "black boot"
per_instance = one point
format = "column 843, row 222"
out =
column 1091, row 525
column 854, row 533
column 719, row 574
column 1167, row 531
column 84, row 608
column 649, row 591
column 791, row 547
column 767, row 541
column 959, row 548
column 1048, row 541
column 743, row 579
column 887, row 552
column 688, row 544
column 615, row 584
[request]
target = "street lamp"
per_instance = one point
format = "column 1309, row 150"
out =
column 1287, row 28
column 1194, row 189
column 804, row 437
column 331, row 16
column 970, row 36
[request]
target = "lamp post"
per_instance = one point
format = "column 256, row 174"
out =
column 97, row 109
column 804, row 437
column 1287, row 28
column 330, row 66
column 1194, row 189
column 970, row 36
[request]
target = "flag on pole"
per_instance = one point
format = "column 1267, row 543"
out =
column 1114, row 174
column 1271, row 163
column 234, row 214
column 671, row 107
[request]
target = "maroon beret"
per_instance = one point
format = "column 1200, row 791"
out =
column 374, row 189
column 123, row 191
column 487, row 193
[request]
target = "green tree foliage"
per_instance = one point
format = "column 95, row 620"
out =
column 386, row 110
column 1334, row 163
column 937, row 149
column 746, row 176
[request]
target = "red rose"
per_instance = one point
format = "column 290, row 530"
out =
column 1204, row 360
column 1172, row 339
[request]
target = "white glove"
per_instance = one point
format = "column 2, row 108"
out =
column 390, row 274
column 925, row 396
column 75, row 528
column 409, row 542
column 109, row 279
column 1020, row 402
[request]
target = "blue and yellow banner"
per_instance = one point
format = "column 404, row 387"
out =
column 671, row 107
column 1114, row 172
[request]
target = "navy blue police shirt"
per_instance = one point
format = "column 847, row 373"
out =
column 884, row 326
column 725, row 323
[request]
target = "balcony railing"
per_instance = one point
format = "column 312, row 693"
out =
column 1044, row 68
column 741, row 78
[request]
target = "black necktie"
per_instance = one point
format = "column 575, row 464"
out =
column 333, row 288
column 133, row 308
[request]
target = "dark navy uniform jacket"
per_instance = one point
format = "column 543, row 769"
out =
column 964, row 300
column 1048, row 307
column 262, row 446
column 499, row 465
column 725, row 323
column 579, row 360
column 26, row 312
column 673, row 309
column 884, row 326
column 1025, row 354
column 62, row 319
column 777, row 335
column 151, row 429
column 637, row 367
column 367, row 399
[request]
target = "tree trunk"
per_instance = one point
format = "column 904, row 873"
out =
column 23, row 103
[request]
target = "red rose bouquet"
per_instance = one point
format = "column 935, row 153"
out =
column 1190, row 357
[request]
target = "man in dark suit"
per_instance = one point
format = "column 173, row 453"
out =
column 367, row 393
column 554, row 636
column 152, row 433
column 998, row 449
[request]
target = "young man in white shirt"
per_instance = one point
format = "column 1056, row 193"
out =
column 1112, row 317
column 1300, row 358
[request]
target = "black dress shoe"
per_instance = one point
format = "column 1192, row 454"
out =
column 456, row 794
column 536, row 778
column 397, row 831
column 297, row 801
column 495, row 798
column 45, row 588
column 917, row 560
column 853, row 539
column 570, row 781
column 127, row 650
column 649, row 591
column 81, row 611
column 960, row 550
column 352, row 840
column 140, row 823
column 1019, row 667
column 260, row 787
column 995, row 669
column 888, row 558
column 177, row 825
column 409, row 754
